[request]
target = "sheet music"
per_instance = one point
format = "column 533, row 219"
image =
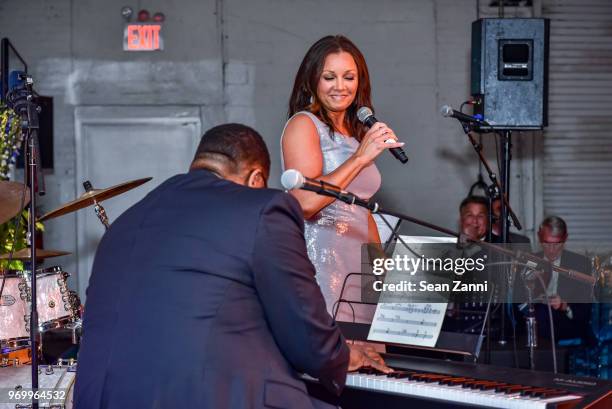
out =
column 409, row 323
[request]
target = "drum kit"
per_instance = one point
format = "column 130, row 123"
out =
column 57, row 306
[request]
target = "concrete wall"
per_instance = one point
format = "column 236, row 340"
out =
column 235, row 60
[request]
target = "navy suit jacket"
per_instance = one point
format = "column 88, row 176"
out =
column 202, row 296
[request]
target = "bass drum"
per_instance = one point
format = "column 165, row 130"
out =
column 55, row 382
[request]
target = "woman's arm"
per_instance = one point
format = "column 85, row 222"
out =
column 302, row 151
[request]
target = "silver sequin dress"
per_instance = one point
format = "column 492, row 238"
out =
column 334, row 236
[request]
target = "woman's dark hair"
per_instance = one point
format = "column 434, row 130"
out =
column 309, row 73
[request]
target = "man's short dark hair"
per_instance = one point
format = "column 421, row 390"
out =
column 481, row 200
column 234, row 144
column 556, row 225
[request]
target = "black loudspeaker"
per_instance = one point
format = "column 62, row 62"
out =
column 510, row 72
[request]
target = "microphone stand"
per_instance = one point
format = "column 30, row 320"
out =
column 532, row 331
column 494, row 181
column 23, row 103
column 504, row 194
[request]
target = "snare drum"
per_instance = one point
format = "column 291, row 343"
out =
column 13, row 310
column 54, row 382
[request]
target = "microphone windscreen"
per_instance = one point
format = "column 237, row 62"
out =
column 446, row 110
column 363, row 113
column 292, row 179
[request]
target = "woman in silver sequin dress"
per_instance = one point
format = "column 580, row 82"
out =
column 323, row 139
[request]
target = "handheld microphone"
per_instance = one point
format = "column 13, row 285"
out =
column 449, row 112
column 292, row 179
column 366, row 117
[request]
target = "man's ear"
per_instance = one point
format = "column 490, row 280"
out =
column 256, row 179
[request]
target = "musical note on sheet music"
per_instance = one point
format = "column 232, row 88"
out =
column 408, row 323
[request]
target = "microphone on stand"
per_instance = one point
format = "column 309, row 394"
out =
column 292, row 179
column 366, row 117
column 22, row 99
column 449, row 112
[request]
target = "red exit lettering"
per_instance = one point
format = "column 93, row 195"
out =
column 143, row 37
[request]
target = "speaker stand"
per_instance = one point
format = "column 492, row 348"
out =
column 506, row 157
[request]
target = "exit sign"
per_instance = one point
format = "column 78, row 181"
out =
column 143, row 37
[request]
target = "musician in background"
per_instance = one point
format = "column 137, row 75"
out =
column 202, row 295
column 465, row 313
column 568, row 298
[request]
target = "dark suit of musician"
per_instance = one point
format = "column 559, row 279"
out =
column 513, row 238
column 573, row 320
column 569, row 299
column 202, row 296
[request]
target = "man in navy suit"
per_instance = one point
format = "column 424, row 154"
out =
column 202, row 295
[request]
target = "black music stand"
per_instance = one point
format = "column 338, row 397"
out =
column 449, row 342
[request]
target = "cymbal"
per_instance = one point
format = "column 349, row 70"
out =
column 24, row 254
column 11, row 194
column 93, row 196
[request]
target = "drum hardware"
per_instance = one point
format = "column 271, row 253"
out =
column 24, row 291
column 9, row 362
column 98, row 209
column 17, row 343
column 58, row 379
column 15, row 357
column 70, row 363
column 76, row 327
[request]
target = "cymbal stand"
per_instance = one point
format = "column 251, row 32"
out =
column 100, row 211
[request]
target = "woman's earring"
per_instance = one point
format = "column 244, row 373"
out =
column 311, row 100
